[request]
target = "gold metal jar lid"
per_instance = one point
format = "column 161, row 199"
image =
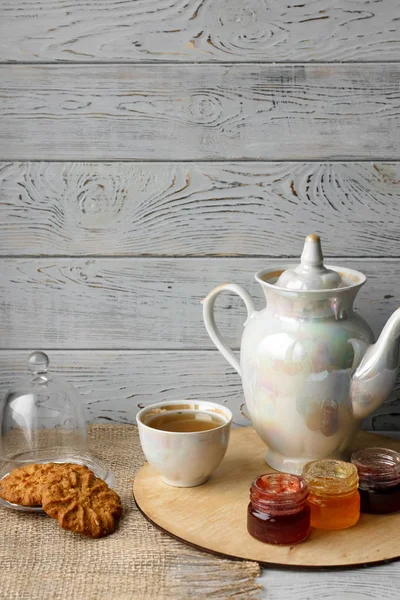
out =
column 330, row 477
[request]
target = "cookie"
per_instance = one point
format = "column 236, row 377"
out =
column 24, row 485
column 83, row 503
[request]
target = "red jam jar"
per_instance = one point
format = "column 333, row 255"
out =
column 379, row 479
column 278, row 512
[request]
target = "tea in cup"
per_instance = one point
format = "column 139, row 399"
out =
column 184, row 440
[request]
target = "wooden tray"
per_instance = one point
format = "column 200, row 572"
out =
column 213, row 516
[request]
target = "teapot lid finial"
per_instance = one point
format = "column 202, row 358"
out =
column 310, row 274
column 312, row 252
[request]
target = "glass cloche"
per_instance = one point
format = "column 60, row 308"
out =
column 42, row 420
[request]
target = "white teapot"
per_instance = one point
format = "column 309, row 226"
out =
column 310, row 368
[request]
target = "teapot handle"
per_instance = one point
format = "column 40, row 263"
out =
column 211, row 326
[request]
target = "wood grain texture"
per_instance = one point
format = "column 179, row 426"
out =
column 199, row 30
column 214, row 515
column 378, row 583
column 114, row 385
column 188, row 112
column 146, row 303
column 205, row 209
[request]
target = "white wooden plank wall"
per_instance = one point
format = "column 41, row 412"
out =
column 199, row 112
column 200, row 30
column 133, row 179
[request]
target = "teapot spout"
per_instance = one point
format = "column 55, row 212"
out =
column 375, row 376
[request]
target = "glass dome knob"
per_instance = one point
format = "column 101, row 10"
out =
column 38, row 362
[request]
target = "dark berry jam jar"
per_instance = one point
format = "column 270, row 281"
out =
column 278, row 512
column 379, row 479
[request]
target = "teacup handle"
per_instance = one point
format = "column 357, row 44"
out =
column 211, row 326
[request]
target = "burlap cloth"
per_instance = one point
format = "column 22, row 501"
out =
column 38, row 560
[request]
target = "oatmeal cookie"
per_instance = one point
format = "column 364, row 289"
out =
column 24, row 485
column 83, row 503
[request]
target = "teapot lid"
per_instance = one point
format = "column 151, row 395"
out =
column 310, row 274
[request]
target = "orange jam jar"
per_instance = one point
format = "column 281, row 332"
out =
column 333, row 493
column 278, row 512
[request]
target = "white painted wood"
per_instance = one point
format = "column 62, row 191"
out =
column 202, row 209
column 129, row 303
column 199, row 112
column 199, row 30
column 116, row 384
column 374, row 583
column 387, row 417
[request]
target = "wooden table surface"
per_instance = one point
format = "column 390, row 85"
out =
column 372, row 583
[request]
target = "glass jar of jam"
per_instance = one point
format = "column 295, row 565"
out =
column 278, row 512
column 379, row 479
column 333, row 493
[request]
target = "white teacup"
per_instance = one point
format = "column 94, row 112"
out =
column 184, row 459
